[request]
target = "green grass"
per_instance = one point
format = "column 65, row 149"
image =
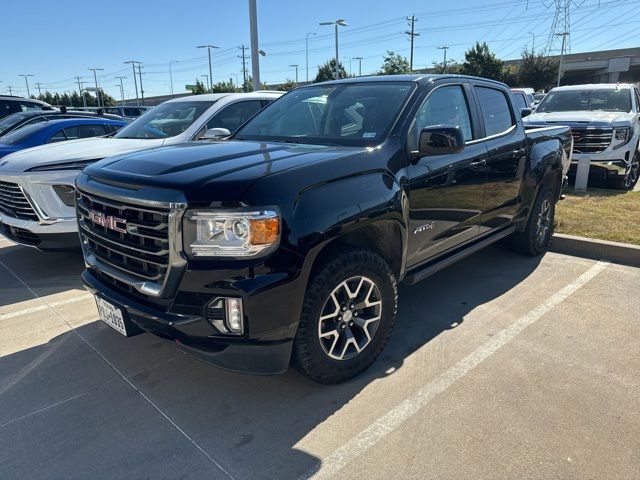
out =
column 603, row 214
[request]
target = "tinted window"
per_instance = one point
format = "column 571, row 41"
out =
column 637, row 99
column 57, row 137
column 520, row 100
column 234, row 115
column 132, row 112
column 84, row 131
column 445, row 106
column 8, row 107
column 29, row 106
column 495, row 110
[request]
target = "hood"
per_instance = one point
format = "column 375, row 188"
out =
column 582, row 117
column 73, row 151
column 204, row 170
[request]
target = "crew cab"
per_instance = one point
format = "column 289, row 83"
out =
column 605, row 121
column 32, row 210
column 285, row 244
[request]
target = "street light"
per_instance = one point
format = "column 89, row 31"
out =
column 295, row 65
column 95, row 78
column 564, row 42
column 342, row 23
column 306, row 51
column 207, row 77
column 208, row 47
column 359, row 65
column 135, row 81
column 26, row 81
column 171, row 74
column 533, row 47
column 121, row 89
column 444, row 65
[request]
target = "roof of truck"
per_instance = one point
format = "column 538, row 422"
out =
column 425, row 77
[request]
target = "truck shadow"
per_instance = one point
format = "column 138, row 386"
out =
column 47, row 273
column 254, row 426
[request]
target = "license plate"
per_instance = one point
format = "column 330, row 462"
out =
column 111, row 315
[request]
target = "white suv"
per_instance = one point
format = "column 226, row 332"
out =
column 605, row 123
column 37, row 184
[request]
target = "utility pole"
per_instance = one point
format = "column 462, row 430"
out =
column 135, row 82
column 38, row 84
column 444, row 64
column 26, row 82
column 411, row 33
column 359, row 65
column 209, row 47
column 255, row 51
column 95, row 78
column 141, row 89
column 80, row 90
column 564, row 42
column 244, row 67
column 121, row 89
column 10, row 90
column 533, row 46
column 306, row 51
column 295, row 65
column 171, row 74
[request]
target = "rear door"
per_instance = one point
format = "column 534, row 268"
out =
column 445, row 191
column 505, row 142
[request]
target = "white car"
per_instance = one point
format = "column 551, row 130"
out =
column 37, row 184
column 605, row 123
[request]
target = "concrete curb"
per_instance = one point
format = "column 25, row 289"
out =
column 596, row 249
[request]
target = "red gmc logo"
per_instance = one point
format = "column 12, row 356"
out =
column 108, row 221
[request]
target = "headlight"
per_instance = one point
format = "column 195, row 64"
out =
column 621, row 136
column 228, row 233
column 66, row 193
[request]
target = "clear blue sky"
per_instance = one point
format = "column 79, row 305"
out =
column 56, row 40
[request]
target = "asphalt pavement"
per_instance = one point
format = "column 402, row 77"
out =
column 499, row 367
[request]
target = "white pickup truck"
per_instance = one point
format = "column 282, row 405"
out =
column 605, row 124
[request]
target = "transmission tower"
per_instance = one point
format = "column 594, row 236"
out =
column 561, row 23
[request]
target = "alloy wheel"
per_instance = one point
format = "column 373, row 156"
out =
column 543, row 222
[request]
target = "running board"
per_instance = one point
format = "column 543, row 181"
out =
column 414, row 276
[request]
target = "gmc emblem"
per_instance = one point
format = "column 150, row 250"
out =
column 108, row 221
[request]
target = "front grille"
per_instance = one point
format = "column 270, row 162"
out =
column 13, row 202
column 141, row 251
column 591, row 140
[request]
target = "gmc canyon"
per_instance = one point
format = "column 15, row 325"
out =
column 285, row 243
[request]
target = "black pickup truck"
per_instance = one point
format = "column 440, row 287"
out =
column 285, row 242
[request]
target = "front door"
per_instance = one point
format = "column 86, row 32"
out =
column 445, row 191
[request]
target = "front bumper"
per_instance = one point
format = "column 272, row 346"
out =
column 603, row 170
column 270, row 317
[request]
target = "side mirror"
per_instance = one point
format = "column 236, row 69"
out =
column 525, row 112
column 440, row 140
column 216, row 133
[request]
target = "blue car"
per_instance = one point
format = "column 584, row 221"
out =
column 54, row 131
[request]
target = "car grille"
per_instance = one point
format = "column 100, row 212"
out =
column 591, row 140
column 141, row 252
column 13, row 202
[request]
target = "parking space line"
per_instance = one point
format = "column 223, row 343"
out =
column 5, row 316
column 390, row 421
column 147, row 399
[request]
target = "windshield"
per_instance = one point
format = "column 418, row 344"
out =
column 606, row 99
column 21, row 134
column 9, row 122
column 352, row 114
column 166, row 120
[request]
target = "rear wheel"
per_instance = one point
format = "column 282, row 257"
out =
column 535, row 238
column 347, row 316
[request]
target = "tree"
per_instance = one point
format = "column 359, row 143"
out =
column 394, row 63
column 287, row 85
column 199, row 88
column 537, row 71
column 328, row 71
column 224, row 87
column 451, row 67
column 481, row 62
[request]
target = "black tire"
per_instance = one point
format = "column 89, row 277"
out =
column 535, row 238
column 629, row 181
column 312, row 354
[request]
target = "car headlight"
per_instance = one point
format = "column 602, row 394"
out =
column 230, row 233
column 621, row 136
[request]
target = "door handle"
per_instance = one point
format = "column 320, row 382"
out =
column 479, row 163
column 519, row 152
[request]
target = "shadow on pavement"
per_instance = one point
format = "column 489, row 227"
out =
column 251, row 425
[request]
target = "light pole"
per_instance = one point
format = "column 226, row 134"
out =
column 121, row 89
column 171, row 74
column 140, row 78
column 207, row 77
column 255, row 50
column 341, row 22
column 306, row 51
column 135, row 82
column 26, row 82
column 533, row 46
column 295, row 65
column 209, row 47
column 444, row 64
column 564, row 40
column 95, row 79
column 359, row 65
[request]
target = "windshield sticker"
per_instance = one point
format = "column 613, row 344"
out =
column 369, row 135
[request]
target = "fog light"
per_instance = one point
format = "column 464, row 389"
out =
column 234, row 314
column 66, row 194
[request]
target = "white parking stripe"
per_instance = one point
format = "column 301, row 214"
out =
column 387, row 423
column 5, row 316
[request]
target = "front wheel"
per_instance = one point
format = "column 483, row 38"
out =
column 347, row 316
column 535, row 238
column 631, row 178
